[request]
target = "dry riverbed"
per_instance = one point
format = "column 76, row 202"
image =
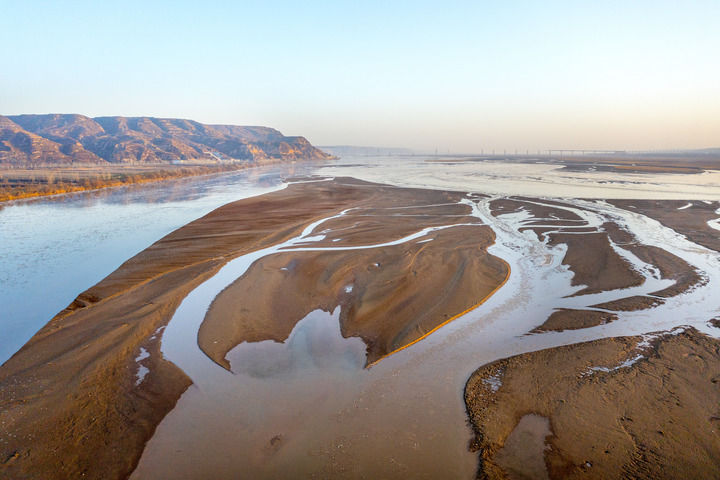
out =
column 95, row 394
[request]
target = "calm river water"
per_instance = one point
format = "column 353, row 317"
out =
column 52, row 249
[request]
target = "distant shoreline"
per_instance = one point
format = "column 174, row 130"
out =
column 28, row 183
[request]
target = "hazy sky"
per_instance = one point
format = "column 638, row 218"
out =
column 457, row 76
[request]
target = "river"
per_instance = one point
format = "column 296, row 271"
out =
column 308, row 408
column 328, row 413
column 53, row 248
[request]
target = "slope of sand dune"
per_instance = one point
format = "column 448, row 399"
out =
column 85, row 394
column 615, row 408
column 390, row 296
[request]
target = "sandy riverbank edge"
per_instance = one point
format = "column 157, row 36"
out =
column 72, row 402
column 616, row 408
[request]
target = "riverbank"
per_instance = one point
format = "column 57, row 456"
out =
column 24, row 183
column 617, row 407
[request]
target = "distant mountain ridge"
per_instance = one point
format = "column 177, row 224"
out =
column 71, row 138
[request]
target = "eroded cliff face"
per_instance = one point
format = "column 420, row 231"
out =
column 65, row 139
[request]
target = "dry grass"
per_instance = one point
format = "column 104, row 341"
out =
column 17, row 183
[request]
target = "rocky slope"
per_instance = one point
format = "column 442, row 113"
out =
column 65, row 138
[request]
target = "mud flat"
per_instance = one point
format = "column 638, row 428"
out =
column 628, row 407
column 85, row 394
column 689, row 218
column 569, row 319
column 615, row 407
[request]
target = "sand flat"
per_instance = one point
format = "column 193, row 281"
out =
column 84, row 360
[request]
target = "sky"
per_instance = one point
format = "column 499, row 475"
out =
column 455, row 76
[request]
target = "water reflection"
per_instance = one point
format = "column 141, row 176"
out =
column 315, row 344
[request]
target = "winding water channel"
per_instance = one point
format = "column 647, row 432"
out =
column 308, row 408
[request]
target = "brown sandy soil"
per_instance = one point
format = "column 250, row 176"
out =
column 595, row 263
column 559, row 203
column 542, row 232
column 629, row 304
column 590, row 256
column 670, row 266
column 569, row 319
column 656, row 419
column 370, row 225
column 69, row 398
column 70, row 406
column 548, row 218
column 388, row 307
column 510, row 205
column 691, row 222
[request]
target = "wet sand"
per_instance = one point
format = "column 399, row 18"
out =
column 597, row 266
column 389, row 432
column 389, row 296
column 75, row 398
column 95, row 390
column 617, row 407
column 569, row 319
column 689, row 218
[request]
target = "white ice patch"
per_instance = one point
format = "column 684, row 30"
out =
column 643, row 268
column 715, row 223
column 641, row 346
column 348, row 289
column 157, row 332
column 685, row 206
column 494, row 382
column 627, row 363
column 314, row 238
column 142, row 370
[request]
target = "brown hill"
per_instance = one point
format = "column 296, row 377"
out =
column 19, row 146
column 69, row 138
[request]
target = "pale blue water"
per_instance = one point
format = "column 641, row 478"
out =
column 55, row 248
